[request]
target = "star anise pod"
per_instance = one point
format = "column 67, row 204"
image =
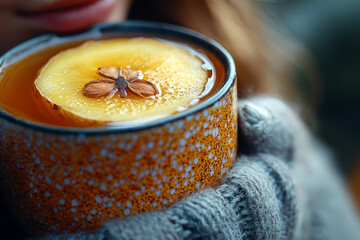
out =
column 122, row 80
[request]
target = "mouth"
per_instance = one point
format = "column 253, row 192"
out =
column 70, row 18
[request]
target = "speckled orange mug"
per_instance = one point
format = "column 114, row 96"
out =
column 60, row 179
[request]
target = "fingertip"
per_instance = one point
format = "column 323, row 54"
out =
column 252, row 113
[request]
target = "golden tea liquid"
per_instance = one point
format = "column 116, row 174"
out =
column 19, row 97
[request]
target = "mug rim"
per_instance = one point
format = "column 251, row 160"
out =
column 130, row 27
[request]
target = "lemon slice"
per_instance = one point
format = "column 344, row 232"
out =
column 177, row 74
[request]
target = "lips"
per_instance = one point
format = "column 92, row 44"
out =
column 71, row 18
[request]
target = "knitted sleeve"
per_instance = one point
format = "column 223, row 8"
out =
column 282, row 186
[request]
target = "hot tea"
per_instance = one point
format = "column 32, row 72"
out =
column 66, row 169
column 49, row 87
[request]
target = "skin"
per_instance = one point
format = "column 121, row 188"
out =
column 15, row 29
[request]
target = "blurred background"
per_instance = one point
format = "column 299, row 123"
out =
column 329, row 30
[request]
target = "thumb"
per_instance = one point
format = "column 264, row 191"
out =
column 268, row 125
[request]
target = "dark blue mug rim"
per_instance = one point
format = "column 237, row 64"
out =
column 127, row 27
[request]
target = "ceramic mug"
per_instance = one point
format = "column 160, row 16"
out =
column 60, row 179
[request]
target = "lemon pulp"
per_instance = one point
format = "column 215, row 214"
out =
column 177, row 73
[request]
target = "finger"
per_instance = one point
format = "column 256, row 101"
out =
column 268, row 125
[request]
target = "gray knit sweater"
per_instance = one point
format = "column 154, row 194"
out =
column 281, row 187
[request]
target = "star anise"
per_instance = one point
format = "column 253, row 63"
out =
column 122, row 80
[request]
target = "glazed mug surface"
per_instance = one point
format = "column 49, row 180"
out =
column 60, row 180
